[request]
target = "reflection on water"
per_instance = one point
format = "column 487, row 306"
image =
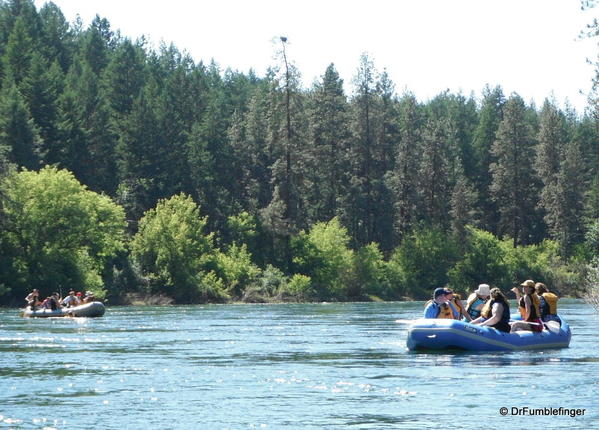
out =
column 274, row 366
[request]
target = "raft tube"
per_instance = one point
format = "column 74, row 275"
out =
column 93, row 309
column 453, row 334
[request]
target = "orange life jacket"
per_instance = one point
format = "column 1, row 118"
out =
column 551, row 300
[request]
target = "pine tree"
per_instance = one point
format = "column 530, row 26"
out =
column 253, row 155
column 549, row 153
column 328, row 143
column 141, row 156
column 20, row 49
column 434, row 181
column 513, row 188
column 387, row 138
column 73, row 153
column 566, row 220
column 57, row 38
column 287, row 140
column 123, row 79
column 463, row 211
column 401, row 181
column 359, row 212
column 41, row 89
column 490, row 116
column 97, row 44
column 17, row 129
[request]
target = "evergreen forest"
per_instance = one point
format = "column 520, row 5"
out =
column 144, row 176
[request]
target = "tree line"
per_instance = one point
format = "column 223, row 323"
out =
column 229, row 185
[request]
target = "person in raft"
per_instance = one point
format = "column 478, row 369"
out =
column 496, row 312
column 477, row 300
column 456, row 300
column 71, row 300
column 547, row 303
column 528, row 305
column 33, row 299
column 440, row 306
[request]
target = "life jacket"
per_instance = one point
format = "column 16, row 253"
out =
column 485, row 312
column 535, row 311
column 472, row 304
column 457, row 302
column 550, row 300
column 504, row 323
column 444, row 310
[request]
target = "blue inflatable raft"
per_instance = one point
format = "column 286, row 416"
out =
column 454, row 334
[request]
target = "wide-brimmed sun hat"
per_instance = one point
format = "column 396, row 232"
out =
column 483, row 290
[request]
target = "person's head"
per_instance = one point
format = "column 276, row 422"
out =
column 528, row 286
column 78, row 293
column 454, row 295
column 483, row 291
column 71, row 293
column 541, row 288
column 54, row 294
column 496, row 294
column 35, row 290
column 441, row 295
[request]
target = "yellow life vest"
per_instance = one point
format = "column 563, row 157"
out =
column 535, row 302
column 485, row 312
column 551, row 300
column 444, row 310
column 457, row 302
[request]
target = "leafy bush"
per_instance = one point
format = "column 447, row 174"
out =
column 422, row 261
column 591, row 294
column 211, row 288
column 484, row 262
column 57, row 234
column 369, row 278
column 298, row 288
column 324, row 256
column 174, row 253
column 236, row 269
column 542, row 263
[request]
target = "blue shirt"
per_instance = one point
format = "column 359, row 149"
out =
column 433, row 309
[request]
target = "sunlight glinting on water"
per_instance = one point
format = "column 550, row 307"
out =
column 293, row 366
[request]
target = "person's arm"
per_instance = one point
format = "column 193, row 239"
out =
column 516, row 291
column 454, row 310
column 478, row 320
column 527, row 307
column 431, row 311
column 463, row 310
column 497, row 311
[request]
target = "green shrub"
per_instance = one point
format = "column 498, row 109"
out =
column 56, row 234
column 298, row 288
column 324, row 256
column 369, row 279
column 172, row 249
column 484, row 262
column 421, row 262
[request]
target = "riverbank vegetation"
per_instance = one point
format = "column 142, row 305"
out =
column 142, row 175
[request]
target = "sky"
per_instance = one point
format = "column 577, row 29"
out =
column 530, row 47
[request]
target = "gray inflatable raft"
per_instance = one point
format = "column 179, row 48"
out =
column 93, row 309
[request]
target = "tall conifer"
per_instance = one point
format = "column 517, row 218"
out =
column 513, row 188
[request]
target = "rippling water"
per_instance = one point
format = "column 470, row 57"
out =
column 310, row 366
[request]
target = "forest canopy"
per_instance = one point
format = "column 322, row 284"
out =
column 143, row 172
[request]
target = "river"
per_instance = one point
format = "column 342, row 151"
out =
column 305, row 366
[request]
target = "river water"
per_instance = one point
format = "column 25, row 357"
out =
column 306, row 366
